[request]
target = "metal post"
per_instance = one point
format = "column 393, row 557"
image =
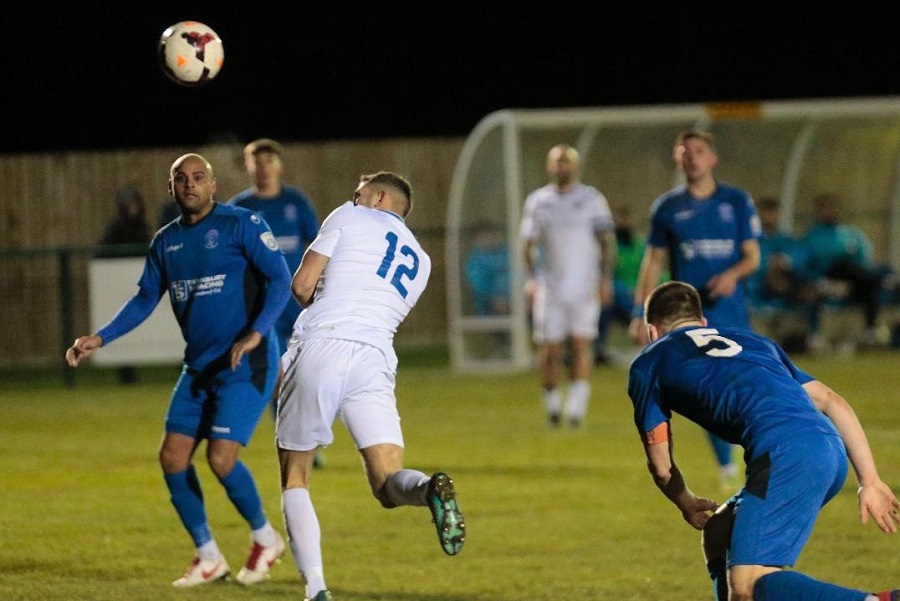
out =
column 65, row 310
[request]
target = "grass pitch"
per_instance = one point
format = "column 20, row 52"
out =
column 551, row 514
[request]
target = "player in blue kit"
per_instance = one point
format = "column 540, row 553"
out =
column 744, row 388
column 707, row 233
column 288, row 211
column 227, row 281
column 358, row 280
column 291, row 216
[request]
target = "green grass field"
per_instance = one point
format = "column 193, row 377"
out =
column 551, row 515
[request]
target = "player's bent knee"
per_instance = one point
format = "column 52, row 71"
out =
column 222, row 457
column 740, row 589
column 221, row 466
column 742, row 580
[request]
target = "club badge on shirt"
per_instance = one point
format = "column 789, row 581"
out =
column 269, row 240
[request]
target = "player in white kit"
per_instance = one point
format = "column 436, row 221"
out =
column 357, row 282
column 567, row 229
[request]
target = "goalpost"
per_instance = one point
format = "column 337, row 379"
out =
column 791, row 149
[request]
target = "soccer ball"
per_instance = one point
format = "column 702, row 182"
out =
column 191, row 53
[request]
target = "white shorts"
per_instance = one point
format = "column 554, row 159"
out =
column 555, row 319
column 325, row 378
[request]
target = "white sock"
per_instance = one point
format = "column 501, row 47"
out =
column 265, row 536
column 304, row 536
column 407, row 487
column 579, row 396
column 553, row 400
column 209, row 551
column 314, row 575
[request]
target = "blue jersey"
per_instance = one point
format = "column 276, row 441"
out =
column 295, row 224
column 290, row 215
column 225, row 276
column 704, row 238
column 733, row 382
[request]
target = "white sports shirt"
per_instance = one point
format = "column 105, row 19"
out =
column 565, row 227
column 375, row 274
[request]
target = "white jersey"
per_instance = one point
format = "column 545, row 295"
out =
column 565, row 228
column 376, row 272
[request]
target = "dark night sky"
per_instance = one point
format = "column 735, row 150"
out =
column 88, row 78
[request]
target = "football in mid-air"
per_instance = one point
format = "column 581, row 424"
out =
column 191, row 53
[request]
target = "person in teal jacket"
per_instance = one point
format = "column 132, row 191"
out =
column 842, row 252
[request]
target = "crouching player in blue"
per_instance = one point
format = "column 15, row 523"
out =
column 743, row 387
column 228, row 282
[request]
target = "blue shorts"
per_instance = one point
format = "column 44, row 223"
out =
column 786, row 487
column 222, row 403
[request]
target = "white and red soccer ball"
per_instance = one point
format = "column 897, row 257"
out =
column 191, row 53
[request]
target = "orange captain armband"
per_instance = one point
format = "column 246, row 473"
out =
column 657, row 435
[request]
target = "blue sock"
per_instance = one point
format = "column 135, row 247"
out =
column 800, row 587
column 721, row 448
column 241, row 489
column 718, row 573
column 187, row 497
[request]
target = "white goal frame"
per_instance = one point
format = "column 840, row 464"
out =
column 585, row 124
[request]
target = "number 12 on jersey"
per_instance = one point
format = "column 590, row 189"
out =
column 402, row 270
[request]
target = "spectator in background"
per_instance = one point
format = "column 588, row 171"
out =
column 167, row 213
column 782, row 281
column 630, row 247
column 841, row 252
column 128, row 228
column 707, row 232
column 570, row 226
column 487, row 270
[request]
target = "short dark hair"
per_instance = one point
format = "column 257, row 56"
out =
column 392, row 180
column 700, row 134
column 672, row 302
column 827, row 198
column 266, row 145
column 768, row 203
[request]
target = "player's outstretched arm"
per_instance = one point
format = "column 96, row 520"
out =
column 82, row 348
column 875, row 498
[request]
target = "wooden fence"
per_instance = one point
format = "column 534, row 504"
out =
column 54, row 206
